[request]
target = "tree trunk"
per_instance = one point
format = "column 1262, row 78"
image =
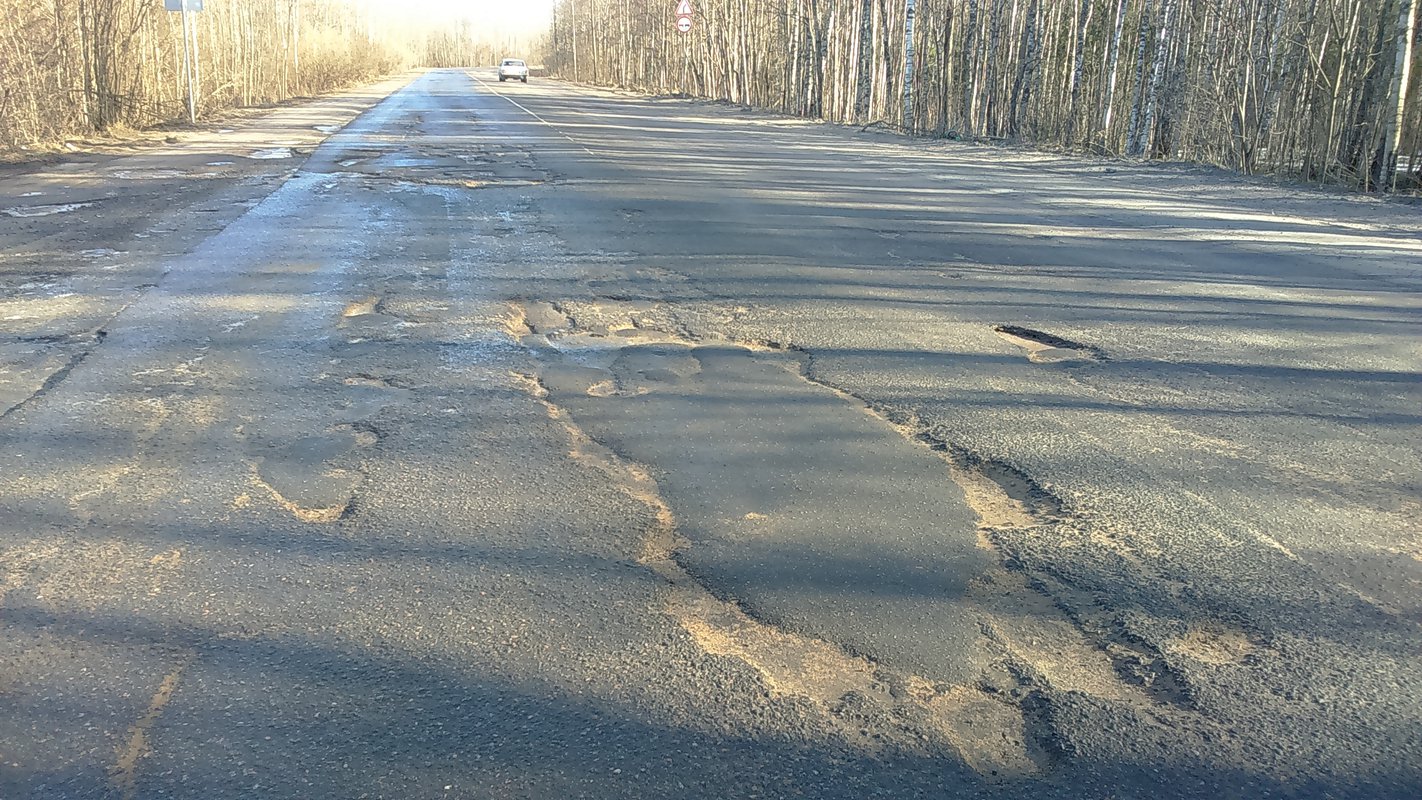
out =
column 1133, row 132
column 1083, row 19
column 1401, row 79
column 1162, row 46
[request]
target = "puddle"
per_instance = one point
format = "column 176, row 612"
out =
column 220, row 163
column 326, row 129
column 43, row 211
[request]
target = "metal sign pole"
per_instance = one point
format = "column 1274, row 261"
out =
column 908, row 67
column 197, row 65
column 296, row 46
column 188, row 66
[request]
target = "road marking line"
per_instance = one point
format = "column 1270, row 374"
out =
column 525, row 110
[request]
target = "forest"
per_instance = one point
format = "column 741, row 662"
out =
column 1314, row 90
column 71, row 68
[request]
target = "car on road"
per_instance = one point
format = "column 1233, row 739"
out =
column 513, row 69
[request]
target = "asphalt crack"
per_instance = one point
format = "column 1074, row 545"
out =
column 138, row 744
column 54, row 379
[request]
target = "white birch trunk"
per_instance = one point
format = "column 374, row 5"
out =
column 1115, row 59
column 1401, row 79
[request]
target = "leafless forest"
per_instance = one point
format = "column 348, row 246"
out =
column 75, row 67
column 1318, row 90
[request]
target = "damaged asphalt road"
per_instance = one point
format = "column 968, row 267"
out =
column 535, row 441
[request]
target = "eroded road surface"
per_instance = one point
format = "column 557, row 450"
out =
column 451, row 439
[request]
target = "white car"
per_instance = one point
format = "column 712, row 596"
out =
column 512, row 69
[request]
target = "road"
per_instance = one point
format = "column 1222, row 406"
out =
column 450, row 439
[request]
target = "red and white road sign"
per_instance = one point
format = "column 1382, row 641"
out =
column 683, row 15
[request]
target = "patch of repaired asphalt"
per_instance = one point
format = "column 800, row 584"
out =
column 805, row 510
column 859, row 700
column 845, row 558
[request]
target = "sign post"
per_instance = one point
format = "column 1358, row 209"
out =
column 189, row 69
column 908, row 67
column 683, row 16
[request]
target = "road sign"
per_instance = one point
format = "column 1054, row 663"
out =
column 177, row 5
column 683, row 8
column 683, row 24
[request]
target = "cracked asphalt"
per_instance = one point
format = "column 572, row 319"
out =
column 535, row 441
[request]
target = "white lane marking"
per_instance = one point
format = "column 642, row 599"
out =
column 525, row 110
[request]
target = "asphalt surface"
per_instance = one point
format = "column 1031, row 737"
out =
column 455, row 439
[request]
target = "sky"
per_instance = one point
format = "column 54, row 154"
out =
column 517, row 18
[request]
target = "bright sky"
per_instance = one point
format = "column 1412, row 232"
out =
column 518, row 18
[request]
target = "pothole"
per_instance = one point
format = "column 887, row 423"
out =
column 544, row 318
column 360, row 308
column 361, row 433
column 371, row 381
column 1047, row 348
column 1001, row 495
column 271, row 153
column 44, row 210
column 148, row 174
column 324, row 497
column 1213, row 643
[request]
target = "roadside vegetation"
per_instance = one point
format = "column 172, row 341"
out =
column 1315, row 90
column 73, row 68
